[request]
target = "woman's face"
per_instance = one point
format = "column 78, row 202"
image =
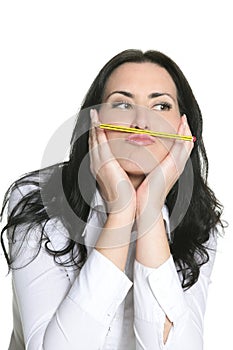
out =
column 144, row 96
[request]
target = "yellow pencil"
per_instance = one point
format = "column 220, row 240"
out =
column 147, row 132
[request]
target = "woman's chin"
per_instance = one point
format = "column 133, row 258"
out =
column 136, row 169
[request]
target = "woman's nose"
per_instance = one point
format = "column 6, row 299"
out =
column 141, row 120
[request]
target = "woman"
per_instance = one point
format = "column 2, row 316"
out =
column 114, row 248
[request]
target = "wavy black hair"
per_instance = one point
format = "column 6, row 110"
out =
column 48, row 200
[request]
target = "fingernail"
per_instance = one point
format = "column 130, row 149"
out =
column 94, row 118
column 184, row 119
column 92, row 113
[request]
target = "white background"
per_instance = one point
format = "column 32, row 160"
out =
column 50, row 53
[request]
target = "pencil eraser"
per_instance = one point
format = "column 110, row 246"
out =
column 194, row 138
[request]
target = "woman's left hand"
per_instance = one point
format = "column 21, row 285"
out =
column 152, row 192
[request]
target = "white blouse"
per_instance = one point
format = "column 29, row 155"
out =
column 101, row 307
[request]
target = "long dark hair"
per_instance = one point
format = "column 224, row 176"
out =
column 45, row 201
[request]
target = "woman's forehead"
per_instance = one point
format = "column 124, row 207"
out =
column 144, row 78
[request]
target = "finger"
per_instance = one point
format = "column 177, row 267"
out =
column 94, row 139
column 94, row 117
column 94, row 123
column 184, row 129
column 176, row 159
column 187, row 132
column 93, row 142
column 100, row 152
column 184, row 122
column 101, row 140
column 97, row 135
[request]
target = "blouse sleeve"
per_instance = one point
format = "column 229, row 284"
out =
column 59, row 314
column 158, row 293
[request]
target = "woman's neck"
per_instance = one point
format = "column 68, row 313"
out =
column 136, row 180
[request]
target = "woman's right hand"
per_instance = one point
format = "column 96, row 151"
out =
column 114, row 184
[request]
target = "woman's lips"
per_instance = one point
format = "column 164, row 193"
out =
column 140, row 139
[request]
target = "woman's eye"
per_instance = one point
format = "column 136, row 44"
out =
column 122, row 105
column 162, row 106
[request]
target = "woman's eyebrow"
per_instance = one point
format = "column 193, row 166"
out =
column 129, row 94
column 158, row 94
column 125, row 93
